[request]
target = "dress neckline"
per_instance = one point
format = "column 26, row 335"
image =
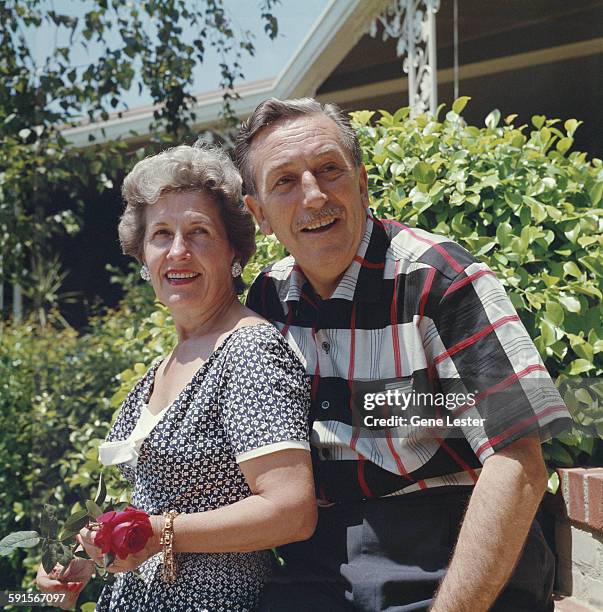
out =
column 196, row 375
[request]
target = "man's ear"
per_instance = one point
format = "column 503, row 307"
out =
column 363, row 185
column 255, row 208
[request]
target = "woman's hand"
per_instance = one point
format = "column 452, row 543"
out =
column 152, row 547
column 72, row 581
column 86, row 539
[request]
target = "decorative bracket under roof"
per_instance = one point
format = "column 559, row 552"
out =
column 413, row 23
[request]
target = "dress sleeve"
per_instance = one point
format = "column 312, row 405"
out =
column 483, row 349
column 265, row 396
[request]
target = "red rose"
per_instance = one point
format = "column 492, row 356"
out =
column 123, row 533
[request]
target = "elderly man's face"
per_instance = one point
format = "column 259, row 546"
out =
column 310, row 194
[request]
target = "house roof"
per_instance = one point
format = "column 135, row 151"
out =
column 334, row 34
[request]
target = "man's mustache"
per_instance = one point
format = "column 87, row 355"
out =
column 331, row 212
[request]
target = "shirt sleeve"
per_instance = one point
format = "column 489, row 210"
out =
column 265, row 400
column 483, row 351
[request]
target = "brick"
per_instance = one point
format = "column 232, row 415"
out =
column 595, row 499
column 573, row 492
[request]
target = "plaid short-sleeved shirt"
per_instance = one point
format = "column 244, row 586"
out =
column 412, row 306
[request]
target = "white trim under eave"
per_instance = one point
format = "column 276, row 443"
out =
column 334, row 34
column 518, row 61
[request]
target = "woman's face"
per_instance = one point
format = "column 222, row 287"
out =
column 187, row 251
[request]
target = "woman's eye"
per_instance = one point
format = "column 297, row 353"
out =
column 160, row 232
column 199, row 230
column 284, row 180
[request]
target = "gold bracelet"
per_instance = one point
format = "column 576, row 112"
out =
column 167, row 543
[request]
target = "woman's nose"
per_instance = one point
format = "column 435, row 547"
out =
column 178, row 248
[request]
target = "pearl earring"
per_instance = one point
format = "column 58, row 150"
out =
column 145, row 274
column 236, row 269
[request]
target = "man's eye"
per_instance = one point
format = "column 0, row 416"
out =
column 199, row 230
column 161, row 232
column 330, row 168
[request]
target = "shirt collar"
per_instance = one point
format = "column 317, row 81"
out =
column 363, row 279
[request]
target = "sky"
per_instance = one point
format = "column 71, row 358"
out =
column 295, row 19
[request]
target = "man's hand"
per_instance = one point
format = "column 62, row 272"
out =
column 72, row 581
column 496, row 524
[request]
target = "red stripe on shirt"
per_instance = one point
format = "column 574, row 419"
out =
column 369, row 264
column 474, row 338
column 288, row 321
column 465, row 281
column 503, row 384
column 425, row 293
column 305, row 297
column 438, row 247
column 394, row 324
column 518, row 427
column 361, row 479
column 459, row 460
column 397, row 366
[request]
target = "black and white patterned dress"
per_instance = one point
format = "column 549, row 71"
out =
column 250, row 398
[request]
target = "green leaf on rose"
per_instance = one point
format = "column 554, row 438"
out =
column 93, row 510
column 101, row 493
column 49, row 523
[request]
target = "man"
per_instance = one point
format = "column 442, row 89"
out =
column 364, row 300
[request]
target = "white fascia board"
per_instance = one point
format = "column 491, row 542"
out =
column 339, row 28
column 336, row 31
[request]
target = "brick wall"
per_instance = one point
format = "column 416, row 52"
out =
column 579, row 535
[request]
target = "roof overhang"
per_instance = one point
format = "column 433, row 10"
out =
column 335, row 32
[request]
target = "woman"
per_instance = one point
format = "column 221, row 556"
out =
column 216, row 432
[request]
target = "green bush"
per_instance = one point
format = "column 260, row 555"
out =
column 514, row 196
column 519, row 201
column 57, row 399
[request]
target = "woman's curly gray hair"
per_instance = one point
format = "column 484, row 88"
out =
column 201, row 168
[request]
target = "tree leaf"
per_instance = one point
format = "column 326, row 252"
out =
column 459, row 104
column 580, row 366
column 18, row 539
column 571, row 304
column 423, row 173
column 538, row 121
column 553, row 483
column 492, row 119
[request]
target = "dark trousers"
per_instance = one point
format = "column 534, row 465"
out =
column 390, row 554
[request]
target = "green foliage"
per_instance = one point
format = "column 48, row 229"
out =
column 56, row 389
column 154, row 45
column 516, row 198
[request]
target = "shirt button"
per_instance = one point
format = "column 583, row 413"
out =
column 325, row 405
column 326, row 347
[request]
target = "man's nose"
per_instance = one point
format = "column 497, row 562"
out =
column 313, row 194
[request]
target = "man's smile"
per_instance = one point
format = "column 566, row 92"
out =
column 319, row 227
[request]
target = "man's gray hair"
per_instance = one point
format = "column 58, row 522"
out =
column 201, row 168
column 271, row 111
